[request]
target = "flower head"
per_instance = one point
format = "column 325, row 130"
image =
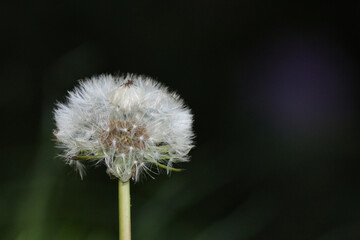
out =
column 131, row 123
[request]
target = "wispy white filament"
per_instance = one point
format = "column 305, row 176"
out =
column 131, row 123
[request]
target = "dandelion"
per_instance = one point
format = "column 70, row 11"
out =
column 131, row 124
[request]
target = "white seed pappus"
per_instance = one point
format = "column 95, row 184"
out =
column 131, row 123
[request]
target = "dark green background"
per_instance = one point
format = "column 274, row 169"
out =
column 274, row 89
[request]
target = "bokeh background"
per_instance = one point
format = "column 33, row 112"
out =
column 274, row 89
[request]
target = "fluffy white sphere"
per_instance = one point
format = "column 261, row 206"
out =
column 131, row 123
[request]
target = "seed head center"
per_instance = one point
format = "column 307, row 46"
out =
column 125, row 136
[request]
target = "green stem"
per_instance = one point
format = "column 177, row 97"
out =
column 87, row 157
column 124, row 211
column 168, row 168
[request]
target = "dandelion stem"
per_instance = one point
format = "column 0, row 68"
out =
column 124, row 211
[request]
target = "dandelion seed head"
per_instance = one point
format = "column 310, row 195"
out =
column 123, row 122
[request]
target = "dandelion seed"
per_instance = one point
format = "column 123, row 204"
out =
column 127, row 123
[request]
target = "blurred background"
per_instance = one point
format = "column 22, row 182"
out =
column 274, row 89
